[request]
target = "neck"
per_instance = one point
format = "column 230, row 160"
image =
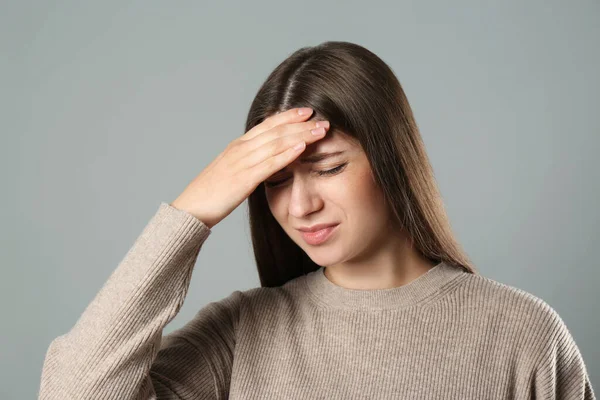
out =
column 394, row 263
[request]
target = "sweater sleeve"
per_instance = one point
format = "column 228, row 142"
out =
column 116, row 349
column 561, row 373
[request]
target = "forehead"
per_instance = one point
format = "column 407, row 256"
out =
column 334, row 141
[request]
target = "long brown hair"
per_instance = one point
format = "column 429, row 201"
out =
column 358, row 93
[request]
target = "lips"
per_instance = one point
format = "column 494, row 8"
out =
column 315, row 228
column 320, row 236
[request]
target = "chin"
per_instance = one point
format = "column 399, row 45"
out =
column 324, row 257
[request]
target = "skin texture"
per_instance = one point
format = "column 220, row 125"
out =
column 366, row 252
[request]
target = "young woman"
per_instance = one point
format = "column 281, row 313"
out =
column 365, row 293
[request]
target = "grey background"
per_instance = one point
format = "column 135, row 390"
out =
column 110, row 108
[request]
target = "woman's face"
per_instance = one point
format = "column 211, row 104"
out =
column 347, row 196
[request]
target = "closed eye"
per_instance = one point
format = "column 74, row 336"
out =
column 321, row 173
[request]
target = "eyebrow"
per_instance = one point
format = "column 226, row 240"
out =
column 313, row 158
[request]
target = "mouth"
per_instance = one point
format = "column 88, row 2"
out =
column 319, row 236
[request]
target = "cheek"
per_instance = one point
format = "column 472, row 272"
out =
column 362, row 199
column 276, row 203
column 359, row 188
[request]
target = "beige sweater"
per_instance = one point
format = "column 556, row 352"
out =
column 446, row 335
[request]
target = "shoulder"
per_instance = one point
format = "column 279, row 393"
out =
column 546, row 347
column 495, row 295
column 258, row 300
column 285, row 295
column 529, row 318
column 270, row 304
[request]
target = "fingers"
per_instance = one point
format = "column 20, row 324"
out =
column 275, row 144
column 271, row 165
column 286, row 117
column 296, row 129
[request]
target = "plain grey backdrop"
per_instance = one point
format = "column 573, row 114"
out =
column 112, row 107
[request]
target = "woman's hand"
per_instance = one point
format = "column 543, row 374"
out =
column 246, row 162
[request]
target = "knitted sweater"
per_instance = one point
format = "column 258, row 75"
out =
column 448, row 334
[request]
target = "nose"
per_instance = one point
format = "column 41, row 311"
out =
column 303, row 199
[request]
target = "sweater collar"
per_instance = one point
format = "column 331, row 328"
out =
column 426, row 286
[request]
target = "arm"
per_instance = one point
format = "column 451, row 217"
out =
column 195, row 361
column 116, row 349
column 561, row 373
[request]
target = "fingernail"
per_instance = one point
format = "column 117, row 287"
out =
column 304, row 110
column 318, row 131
